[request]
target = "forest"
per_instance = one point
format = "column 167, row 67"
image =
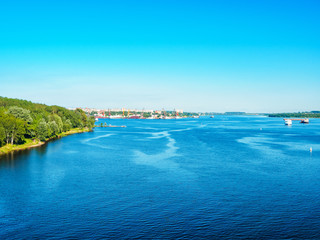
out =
column 22, row 120
column 313, row 114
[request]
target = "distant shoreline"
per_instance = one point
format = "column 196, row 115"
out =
column 9, row 148
column 295, row 115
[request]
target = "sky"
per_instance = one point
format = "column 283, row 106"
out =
column 218, row 55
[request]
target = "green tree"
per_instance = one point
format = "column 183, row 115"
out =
column 9, row 125
column 82, row 118
column 16, row 114
column 13, row 128
column 20, row 113
column 57, row 119
column 146, row 115
column 23, row 114
column 2, row 135
column 31, row 130
column 18, row 131
column 91, row 122
column 67, row 125
column 54, row 128
column 6, row 123
column 42, row 130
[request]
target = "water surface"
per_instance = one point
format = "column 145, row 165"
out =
column 227, row 177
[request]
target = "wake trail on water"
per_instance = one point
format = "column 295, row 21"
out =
column 163, row 160
column 261, row 143
column 88, row 141
column 102, row 136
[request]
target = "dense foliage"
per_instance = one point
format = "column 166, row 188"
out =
column 21, row 119
column 297, row 115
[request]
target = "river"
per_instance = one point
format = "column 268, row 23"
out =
column 228, row 177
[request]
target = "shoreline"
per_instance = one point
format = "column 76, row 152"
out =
column 36, row 142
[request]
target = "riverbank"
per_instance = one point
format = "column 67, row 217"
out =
column 295, row 115
column 31, row 143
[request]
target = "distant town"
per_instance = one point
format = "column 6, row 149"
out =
column 177, row 113
column 139, row 113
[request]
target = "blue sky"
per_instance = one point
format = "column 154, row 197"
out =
column 253, row 56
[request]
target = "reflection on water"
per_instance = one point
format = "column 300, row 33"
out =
column 13, row 158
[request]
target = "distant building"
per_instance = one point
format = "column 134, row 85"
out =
column 179, row 110
column 147, row 111
column 101, row 112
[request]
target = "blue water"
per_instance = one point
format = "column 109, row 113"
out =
column 227, row 177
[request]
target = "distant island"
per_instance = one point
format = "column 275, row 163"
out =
column 24, row 124
column 312, row 114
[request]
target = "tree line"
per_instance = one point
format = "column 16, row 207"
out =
column 21, row 120
column 296, row 115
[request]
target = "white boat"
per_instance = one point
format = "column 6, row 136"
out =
column 287, row 121
column 115, row 116
column 97, row 119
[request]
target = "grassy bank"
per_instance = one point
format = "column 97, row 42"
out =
column 73, row 131
column 14, row 147
column 36, row 142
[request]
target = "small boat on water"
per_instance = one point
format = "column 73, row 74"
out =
column 97, row 119
column 116, row 117
column 212, row 116
column 287, row 121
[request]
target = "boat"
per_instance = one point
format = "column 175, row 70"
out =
column 287, row 121
column 134, row 117
column 212, row 116
column 115, row 117
column 304, row 120
column 97, row 119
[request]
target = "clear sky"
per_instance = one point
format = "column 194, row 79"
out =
column 226, row 55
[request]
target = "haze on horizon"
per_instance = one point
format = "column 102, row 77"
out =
column 252, row 56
